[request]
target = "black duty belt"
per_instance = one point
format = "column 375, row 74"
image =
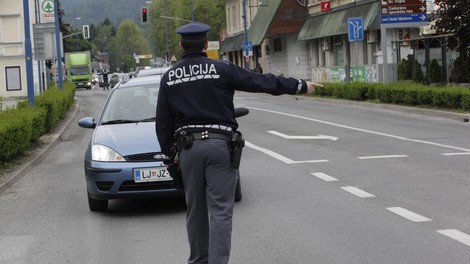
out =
column 210, row 135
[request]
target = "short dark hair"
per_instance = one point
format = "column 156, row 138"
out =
column 194, row 44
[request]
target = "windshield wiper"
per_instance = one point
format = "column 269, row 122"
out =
column 120, row 121
column 150, row 119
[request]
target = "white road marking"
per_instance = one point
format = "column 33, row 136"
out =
column 456, row 235
column 383, row 157
column 456, row 154
column 302, row 137
column 358, row 192
column 323, row 176
column 362, row 130
column 279, row 156
column 408, row 214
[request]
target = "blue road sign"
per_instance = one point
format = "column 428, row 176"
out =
column 404, row 18
column 247, row 46
column 355, row 29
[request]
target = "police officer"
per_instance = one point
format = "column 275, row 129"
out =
column 196, row 100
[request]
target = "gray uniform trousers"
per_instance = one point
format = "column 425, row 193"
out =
column 209, row 182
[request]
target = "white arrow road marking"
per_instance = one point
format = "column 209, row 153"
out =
column 302, row 137
column 457, row 235
column 361, row 130
column 408, row 214
column 279, row 156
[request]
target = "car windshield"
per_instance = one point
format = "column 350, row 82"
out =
column 131, row 104
column 79, row 70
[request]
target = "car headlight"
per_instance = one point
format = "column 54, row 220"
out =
column 103, row 153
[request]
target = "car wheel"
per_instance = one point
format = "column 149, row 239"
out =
column 238, row 190
column 97, row 205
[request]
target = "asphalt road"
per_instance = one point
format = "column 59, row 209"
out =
column 323, row 182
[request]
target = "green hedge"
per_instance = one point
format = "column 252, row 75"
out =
column 20, row 127
column 402, row 93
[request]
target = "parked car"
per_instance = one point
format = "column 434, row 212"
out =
column 124, row 159
column 116, row 78
column 95, row 79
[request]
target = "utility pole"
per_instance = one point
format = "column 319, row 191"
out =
column 28, row 52
column 57, row 44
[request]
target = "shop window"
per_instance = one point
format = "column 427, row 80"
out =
column 13, row 78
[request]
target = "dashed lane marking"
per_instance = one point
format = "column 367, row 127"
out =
column 456, row 235
column 358, row 192
column 383, row 157
column 323, row 176
column 456, row 154
column 279, row 156
column 408, row 214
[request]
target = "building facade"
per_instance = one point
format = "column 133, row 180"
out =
column 272, row 28
column 13, row 78
column 309, row 39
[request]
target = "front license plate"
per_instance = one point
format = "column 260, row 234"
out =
column 151, row 174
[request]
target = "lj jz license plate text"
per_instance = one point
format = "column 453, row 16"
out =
column 151, row 174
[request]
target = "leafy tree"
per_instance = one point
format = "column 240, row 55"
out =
column 454, row 16
column 211, row 12
column 129, row 40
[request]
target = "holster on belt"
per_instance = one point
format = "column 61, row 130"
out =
column 175, row 172
column 236, row 147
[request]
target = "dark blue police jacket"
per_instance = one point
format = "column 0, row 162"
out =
column 199, row 91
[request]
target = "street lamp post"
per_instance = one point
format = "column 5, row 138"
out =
column 76, row 36
column 247, row 59
column 192, row 11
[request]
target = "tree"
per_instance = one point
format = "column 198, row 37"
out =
column 211, row 12
column 129, row 40
column 454, row 16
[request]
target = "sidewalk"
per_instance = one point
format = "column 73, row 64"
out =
column 38, row 154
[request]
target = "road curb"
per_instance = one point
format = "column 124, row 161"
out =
column 49, row 140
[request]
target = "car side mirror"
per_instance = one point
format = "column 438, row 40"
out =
column 87, row 122
column 241, row 111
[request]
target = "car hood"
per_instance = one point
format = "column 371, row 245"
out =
column 128, row 139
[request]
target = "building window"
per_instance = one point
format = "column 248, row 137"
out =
column 13, row 78
column 277, row 45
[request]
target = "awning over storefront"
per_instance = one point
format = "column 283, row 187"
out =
column 232, row 43
column 335, row 22
column 260, row 25
column 257, row 31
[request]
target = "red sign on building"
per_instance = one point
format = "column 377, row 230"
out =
column 325, row 6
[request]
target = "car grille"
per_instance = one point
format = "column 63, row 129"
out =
column 129, row 186
column 144, row 157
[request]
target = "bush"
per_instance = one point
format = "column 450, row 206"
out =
column 435, row 72
column 25, row 124
column 460, row 71
column 417, row 74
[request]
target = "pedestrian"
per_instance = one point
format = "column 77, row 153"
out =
column 258, row 68
column 195, row 107
column 105, row 80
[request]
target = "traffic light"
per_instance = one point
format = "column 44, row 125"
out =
column 86, row 32
column 143, row 15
